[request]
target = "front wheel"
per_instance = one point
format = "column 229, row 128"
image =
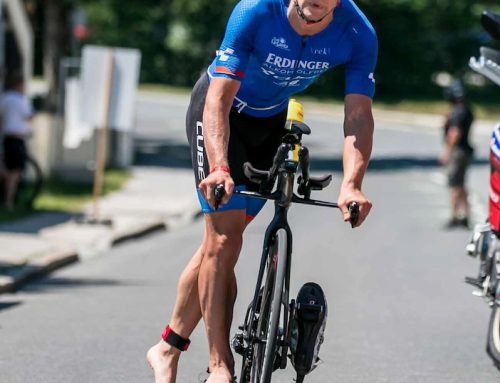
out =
column 270, row 311
column 493, row 344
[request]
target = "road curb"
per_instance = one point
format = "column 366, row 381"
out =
column 35, row 269
column 50, row 262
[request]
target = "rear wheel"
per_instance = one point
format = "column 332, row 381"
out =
column 30, row 185
column 265, row 350
column 493, row 345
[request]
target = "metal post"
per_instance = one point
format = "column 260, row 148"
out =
column 102, row 140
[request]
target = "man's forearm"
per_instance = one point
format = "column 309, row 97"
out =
column 218, row 104
column 453, row 137
column 216, row 132
column 357, row 150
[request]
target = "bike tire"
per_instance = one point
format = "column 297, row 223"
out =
column 493, row 342
column 28, row 191
column 264, row 357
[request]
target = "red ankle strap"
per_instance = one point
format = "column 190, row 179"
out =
column 175, row 340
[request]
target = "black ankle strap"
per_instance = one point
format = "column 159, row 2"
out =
column 175, row 340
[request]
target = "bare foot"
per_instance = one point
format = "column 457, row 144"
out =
column 163, row 360
column 220, row 375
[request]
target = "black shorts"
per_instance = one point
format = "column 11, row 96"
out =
column 457, row 167
column 251, row 139
column 14, row 153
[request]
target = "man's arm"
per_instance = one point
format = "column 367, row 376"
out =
column 219, row 100
column 452, row 138
column 358, row 133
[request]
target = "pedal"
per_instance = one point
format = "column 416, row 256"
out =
column 470, row 250
column 476, row 282
column 277, row 362
column 478, row 293
column 237, row 343
column 308, row 328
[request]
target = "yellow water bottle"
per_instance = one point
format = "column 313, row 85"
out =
column 295, row 111
column 295, row 117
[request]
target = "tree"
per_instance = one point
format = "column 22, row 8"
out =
column 55, row 45
column 178, row 38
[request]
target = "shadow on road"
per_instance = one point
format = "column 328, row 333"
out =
column 8, row 305
column 383, row 164
column 50, row 283
column 164, row 153
column 35, row 223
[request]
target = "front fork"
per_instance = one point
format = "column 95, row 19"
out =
column 244, row 339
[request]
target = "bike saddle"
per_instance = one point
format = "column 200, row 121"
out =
column 491, row 23
column 297, row 127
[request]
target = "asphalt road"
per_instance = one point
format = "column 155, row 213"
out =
column 398, row 309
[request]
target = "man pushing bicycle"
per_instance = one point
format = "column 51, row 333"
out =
column 272, row 49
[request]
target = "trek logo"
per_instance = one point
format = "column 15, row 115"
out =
column 200, row 157
column 279, row 42
column 225, row 54
column 371, row 76
column 320, row 51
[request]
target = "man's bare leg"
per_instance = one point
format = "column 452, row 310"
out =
column 464, row 203
column 11, row 181
column 162, row 357
column 217, row 288
column 455, row 201
column 459, row 202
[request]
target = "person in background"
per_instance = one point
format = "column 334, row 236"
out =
column 457, row 153
column 15, row 114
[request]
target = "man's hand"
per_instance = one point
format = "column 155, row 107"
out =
column 444, row 158
column 207, row 187
column 346, row 197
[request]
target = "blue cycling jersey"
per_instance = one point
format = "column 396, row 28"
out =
column 272, row 61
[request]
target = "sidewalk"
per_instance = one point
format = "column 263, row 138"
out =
column 40, row 244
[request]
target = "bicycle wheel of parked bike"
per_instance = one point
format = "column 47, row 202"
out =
column 270, row 310
column 30, row 185
column 493, row 346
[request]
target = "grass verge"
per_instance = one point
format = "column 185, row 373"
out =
column 66, row 197
column 483, row 109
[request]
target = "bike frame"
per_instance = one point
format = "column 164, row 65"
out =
column 289, row 156
column 279, row 221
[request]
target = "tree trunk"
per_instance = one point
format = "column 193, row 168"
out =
column 55, row 45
